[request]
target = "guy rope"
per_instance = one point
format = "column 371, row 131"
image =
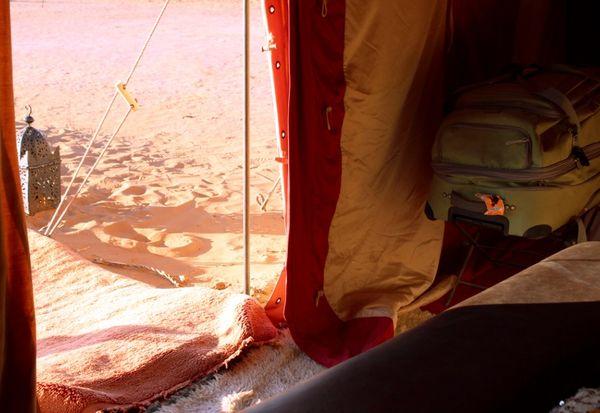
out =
column 246, row 188
column 120, row 89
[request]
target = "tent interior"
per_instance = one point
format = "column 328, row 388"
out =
column 360, row 90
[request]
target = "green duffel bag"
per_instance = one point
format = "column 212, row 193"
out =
column 520, row 153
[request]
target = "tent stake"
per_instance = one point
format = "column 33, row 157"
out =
column 246, row 190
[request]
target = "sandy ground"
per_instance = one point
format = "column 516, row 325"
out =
column 168, row 192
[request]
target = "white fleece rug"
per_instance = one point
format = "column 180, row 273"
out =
column 259, row 374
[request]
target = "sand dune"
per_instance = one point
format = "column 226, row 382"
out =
column 168, row 192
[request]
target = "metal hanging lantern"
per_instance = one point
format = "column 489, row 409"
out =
column 39, row 169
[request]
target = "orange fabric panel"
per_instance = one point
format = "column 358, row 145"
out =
column 17, row 322
column 383, row 252
column 316, row 113
column 365, row 83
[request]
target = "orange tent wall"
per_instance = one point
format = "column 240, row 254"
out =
column 480, row 40
column 17, row 323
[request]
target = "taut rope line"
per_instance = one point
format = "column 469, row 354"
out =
column 58, row 215
column 83, row 157
column 246, row 190
column 50, row 230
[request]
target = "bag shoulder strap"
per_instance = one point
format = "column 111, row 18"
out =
column 557, row 98
column 562, row 101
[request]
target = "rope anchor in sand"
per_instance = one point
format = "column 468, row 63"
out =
column 263, row 200
column 177, row 281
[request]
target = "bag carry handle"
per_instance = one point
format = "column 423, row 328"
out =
column 562, row 101
column 457, row 200
column 562, row 68
column 557, row 98
column 554, row 95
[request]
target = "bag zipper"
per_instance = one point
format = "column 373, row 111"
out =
column 526, row 138
column 525, row 175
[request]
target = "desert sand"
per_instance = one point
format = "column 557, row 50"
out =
column 168, row 192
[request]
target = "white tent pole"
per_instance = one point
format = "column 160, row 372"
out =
column 246, row 190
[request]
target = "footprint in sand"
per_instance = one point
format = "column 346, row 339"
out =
column 174, row 165
column 129, row 194
column 269, row 258
column 134, row 190
column 122, row 234
column 181, row 245
column 122, row 229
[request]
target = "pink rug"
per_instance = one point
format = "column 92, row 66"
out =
column 106, row 341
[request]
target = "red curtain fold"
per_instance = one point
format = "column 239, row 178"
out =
column 17, row 321
column 482, row 40
column 316, row 112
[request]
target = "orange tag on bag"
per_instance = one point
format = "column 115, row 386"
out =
column 493, row 203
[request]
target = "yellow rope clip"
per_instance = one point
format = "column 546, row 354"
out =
column 131, row 101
